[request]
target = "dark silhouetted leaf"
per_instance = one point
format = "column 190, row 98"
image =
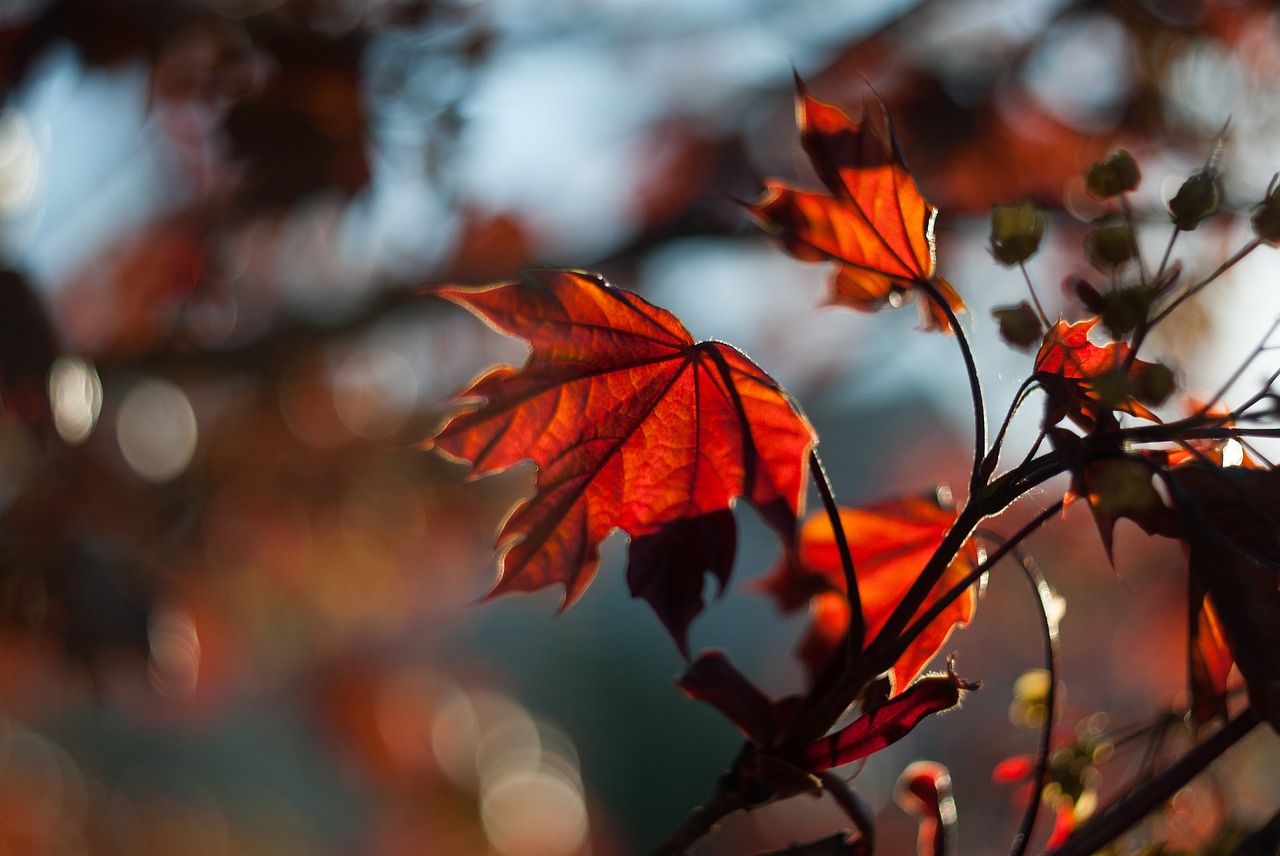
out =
column 1231, row 523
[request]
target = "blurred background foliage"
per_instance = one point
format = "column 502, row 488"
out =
column 238, row 602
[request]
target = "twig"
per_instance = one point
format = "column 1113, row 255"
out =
column 1124, row 812
column 854, row 636
column 975, row 386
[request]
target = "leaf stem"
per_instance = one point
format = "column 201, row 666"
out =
column 1130, row 808
column 1127, row 210
column 935, row 609
column 1252, row 245
column 1168, row 251
column 857, row 629
column 1052, row 646
column 1044, row 319
column 975, row 386
column 992, row 460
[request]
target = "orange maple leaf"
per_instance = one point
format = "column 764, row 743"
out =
column 874, row 224
column 890, row 543
column 633, row 426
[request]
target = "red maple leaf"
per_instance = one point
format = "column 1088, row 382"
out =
column 890, row 543
column 874, row 223
column 1086, row 382
column 633, row 426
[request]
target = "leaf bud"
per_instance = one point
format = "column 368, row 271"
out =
column 1019, row 325
column 1109, row 246
column 1125, row 308
column 1016, row 231
column 1197, row 200
column 1266, row 217
column 1113, row 176
column 1154, row 384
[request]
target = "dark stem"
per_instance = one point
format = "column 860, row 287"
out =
column 1133, row 239
column 935, row 609
column 1044, row 319
column 1235, row 376
column 704, row 819
column 1195, row 289
column 975, row 386
column 992, row 459
column 857, row 630
column 1133, row 806
column 1168, row 250
column 1049, row 633
column 887, row 645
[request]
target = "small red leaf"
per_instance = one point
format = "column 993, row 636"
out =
column 633, row 426
column 1086, row 382
column 886, row 724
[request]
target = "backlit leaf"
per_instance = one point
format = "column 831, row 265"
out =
column 633, row 426
column 1086, row 382
column 874, row 223
column 890, row 543
column 888, row 723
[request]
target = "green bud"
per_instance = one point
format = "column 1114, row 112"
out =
column 1113, row 176
column 1266, row 217
column 1016, row 231
column 1109, row 246
column 1197, row 200
column 1019, row 325
column 1154, row 384
column 1125, row 308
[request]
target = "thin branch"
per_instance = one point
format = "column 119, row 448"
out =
column 1168, row 250
column 992, row 459
column 1006, row 547
column 1252, row 245
column 704, row 819
column 1044, row 318
column 975, row 386
column 1235, row 376
column 854, row 637
column 1133, row 806
column 1049, row 633
column 1127, row 210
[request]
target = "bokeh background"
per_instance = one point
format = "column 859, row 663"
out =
column 239, row 603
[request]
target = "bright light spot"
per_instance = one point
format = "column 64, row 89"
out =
column 374, row 392
column 535, row 812
column 19, row 163
column 511, row 744
column 1232, row 453
column 174, row 664
column 75, row 396
column 156, row 430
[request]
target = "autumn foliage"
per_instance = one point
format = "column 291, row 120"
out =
column 634, row 426
column 297, row 395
